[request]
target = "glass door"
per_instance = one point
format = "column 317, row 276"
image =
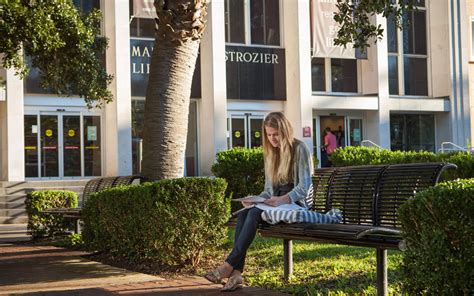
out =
column 255, row 131
column 49, row 145
column 92, row 146
column 71, row 134
column 355, row 135
column 69, row 145
column 238, row 131
column 245, row 131
column 31, row 146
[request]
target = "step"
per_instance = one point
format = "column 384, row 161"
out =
column 13, row 198
column 14, row 233
column 25, row 190
column 44, row 183
column 12, row 212
column 13, row 220
column 12, row 205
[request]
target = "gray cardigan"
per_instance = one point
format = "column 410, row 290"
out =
column 302, row 170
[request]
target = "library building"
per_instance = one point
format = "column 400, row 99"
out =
column 408, row 91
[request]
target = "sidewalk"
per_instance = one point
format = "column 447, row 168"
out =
column 43, row 270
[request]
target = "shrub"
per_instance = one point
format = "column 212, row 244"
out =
column 353, row 155
column 243, row 170
column 168, row 222
column 41, row 224
column 438, row 227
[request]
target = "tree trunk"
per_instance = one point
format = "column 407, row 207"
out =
column 180, row 25
column 167, row 108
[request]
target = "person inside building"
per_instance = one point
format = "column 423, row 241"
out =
column 330, row 143
column 288, row 169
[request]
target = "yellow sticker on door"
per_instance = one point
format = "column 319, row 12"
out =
column 49, row 133
column 71, row 133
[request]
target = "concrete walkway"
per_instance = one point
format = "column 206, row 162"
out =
column 27, row 269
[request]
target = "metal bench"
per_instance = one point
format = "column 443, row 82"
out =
column 369, row 198
column 92, row 186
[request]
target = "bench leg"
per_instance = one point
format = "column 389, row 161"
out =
column 287, row 258
column 382, row 282
column 77, row 226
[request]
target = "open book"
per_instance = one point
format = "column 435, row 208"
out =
column 250, row 198
column 255, row 199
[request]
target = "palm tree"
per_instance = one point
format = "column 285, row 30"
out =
column 180, row 25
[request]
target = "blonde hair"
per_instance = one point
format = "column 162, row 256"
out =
column 279, row 160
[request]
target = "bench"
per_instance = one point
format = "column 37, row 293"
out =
column 369, row 197
column 92, row 186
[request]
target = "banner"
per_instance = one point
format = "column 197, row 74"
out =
column 144, row 9
column 324, row 29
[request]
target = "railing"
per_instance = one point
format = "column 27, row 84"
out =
column 454, row 147
column 369, row 143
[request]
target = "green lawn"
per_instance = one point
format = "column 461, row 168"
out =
column 319, row 269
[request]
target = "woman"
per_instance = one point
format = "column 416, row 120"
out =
column 288, row 169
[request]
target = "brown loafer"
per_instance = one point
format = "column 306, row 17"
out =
column 235, row 282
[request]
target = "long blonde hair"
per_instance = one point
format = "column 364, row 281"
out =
column 279, row 160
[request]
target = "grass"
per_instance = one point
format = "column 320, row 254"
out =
column 319, row 269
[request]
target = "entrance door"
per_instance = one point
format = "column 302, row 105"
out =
column 355, row 135
column 348, row 131
column 69, row 145
column 245, row 130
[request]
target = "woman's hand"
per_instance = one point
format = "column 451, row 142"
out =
column 247, row 204
column 275, row 201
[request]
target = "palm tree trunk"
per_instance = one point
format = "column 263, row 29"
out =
column 167, row 107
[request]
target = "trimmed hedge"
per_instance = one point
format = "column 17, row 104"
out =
column 353, row 155
column 243, row 169
column 40, row 224
column 167, row 222
column 438, row 227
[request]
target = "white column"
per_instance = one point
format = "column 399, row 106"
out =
column 296, row 34
column 378, row 122
column 459, row 53
column 12, row 139
column 117, row 121
column 213, row 104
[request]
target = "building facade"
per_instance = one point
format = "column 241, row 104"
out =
column 408, row 91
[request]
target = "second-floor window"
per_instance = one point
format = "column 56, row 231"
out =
column 252, row 22
column 408, row 54
column 334, row 75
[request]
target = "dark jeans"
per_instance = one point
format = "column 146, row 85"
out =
column 247, row 225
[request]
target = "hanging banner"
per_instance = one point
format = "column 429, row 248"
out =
column 144, row 9
column 324, row 29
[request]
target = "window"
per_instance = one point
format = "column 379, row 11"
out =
column 141, row 27
column 412, row 132
column 252, row 22
column 407, row 54
column 342, row 74
column 87, row 5
column 32, row 84
column 472, row 38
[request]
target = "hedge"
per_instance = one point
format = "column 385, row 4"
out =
column 169, row 222
column 243, row 170
column 353, row 155
column 40, row 224
column 438, row 227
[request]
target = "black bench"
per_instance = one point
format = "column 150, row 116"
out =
column 369, row 197
column 92, row 186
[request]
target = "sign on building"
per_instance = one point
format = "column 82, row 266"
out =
column 140, row 59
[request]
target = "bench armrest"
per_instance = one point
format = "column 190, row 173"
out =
column 379, row 230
